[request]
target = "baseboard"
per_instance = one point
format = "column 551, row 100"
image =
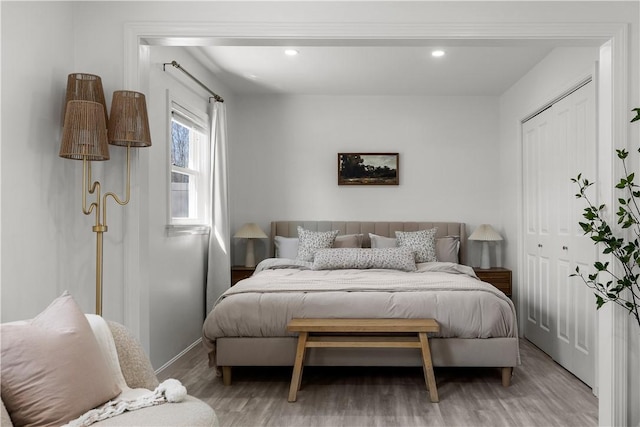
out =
column 178, row 356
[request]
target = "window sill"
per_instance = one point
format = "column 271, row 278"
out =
column 184, row 230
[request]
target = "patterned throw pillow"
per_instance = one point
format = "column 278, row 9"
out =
column 310, row 241
column 401, row 259
column 422, row 242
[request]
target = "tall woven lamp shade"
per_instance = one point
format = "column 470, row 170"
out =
column 85, row 87
column 84, row 135
column 129, row 124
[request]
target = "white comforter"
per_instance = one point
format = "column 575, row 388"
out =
column 262, row 305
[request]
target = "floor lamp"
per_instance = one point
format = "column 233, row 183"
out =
column 86, row 133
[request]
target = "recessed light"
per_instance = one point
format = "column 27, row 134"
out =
column 437, row 53
column 291, row 52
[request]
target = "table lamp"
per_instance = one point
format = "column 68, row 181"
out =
column 485, row 234
column 250, row 231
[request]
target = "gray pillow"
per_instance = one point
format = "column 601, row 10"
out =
column 348, row 241
column 447, row 249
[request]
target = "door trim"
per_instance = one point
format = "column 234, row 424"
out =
column 612, row 115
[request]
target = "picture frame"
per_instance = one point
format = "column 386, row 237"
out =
column 368, row 169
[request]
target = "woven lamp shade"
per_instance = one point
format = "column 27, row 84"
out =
column 85, row 87
column 84, row 135
column 129, row 124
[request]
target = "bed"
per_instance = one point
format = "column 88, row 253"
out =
column 247, row 326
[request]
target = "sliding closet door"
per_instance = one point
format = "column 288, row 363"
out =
column 562, row 317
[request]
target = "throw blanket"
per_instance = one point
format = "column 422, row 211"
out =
column 130, row 399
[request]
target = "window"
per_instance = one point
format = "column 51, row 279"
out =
column 189, row 184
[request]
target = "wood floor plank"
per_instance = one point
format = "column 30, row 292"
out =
column 542, row 393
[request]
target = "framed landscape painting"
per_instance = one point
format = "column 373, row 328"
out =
column 368, row 169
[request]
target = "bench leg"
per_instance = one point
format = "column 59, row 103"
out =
column 506, row 376
column 427, row 364
column 296, row 377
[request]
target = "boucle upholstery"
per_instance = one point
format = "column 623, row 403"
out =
column 134, row 363
column 190, row 412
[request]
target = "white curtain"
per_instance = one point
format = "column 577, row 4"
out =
column 219, row 269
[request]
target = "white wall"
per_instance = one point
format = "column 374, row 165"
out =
column 284, row 159
column 44, row 236
column 177, row 279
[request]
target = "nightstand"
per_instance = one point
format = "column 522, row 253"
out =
column 497, row 276
column 239, row 272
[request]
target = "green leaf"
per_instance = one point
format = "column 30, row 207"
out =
column 622, row 154
column 637, row 117
column 599, row 301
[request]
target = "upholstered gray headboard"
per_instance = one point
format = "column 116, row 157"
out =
column 388, row 229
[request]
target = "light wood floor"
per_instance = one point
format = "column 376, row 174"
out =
column 541, row 394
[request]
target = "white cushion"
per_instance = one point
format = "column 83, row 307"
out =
column 286, row 247
column 382, row 242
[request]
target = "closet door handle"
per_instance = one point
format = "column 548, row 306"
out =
column 564, row 248
column 539, row 245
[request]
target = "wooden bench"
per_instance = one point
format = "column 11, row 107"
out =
column 317, row 333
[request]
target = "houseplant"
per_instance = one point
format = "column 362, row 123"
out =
column 621, row 286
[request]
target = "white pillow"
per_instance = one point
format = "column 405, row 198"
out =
column 402, row 259
column 286, row 247
column 382, row 242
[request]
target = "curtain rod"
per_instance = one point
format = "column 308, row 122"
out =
column 179, row 67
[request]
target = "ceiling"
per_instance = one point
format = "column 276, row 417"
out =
column 370, row 67
column 372, row 70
